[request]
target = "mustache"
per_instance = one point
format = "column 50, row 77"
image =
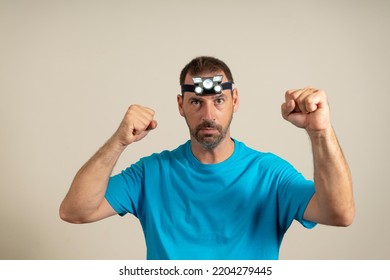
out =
column 208, row 124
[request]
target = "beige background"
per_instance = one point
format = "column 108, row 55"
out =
column 70, row 69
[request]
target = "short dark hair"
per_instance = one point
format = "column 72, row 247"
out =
column 203, row 64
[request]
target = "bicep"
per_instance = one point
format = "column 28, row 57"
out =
column 104, row 210
column 313, row 213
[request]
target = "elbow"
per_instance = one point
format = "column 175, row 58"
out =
column 344, row 222
column 66, row 215
column 346, row 218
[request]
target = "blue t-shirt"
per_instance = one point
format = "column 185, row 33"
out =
column 237, row 209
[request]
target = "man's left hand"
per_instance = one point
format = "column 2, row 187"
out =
column 307, row 108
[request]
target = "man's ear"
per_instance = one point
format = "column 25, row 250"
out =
column 180, row 99
column 236, row 100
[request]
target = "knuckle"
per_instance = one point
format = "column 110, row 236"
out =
column 133, row 106
column 296, row 94
column 289, row 93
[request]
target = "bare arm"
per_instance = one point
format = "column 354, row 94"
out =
column 85, row 200
column 332, row 203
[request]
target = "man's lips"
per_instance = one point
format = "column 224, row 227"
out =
column 209, row 130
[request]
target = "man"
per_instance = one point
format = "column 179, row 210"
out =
column 213, row 197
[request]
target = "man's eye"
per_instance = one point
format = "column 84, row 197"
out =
column 219, row 101
column 195, row 102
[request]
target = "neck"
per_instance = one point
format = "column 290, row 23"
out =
column 220, row 153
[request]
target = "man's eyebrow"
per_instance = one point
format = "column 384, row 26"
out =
column 219, row 95
column 196, row 98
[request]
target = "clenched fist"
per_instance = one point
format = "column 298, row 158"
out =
column 136, row 124
column 307, row 108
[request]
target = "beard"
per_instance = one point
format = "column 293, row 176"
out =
column 210, row 141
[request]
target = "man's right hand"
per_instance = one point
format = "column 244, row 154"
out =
column 136, row 124
column 85, row 200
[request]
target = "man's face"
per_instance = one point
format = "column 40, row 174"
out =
column 208, row 117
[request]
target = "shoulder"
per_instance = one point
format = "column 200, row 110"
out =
column 247, row 152
column 166, row 155
column 261, row 159
column 156, row 161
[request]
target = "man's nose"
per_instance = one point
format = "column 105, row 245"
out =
column 208, row 111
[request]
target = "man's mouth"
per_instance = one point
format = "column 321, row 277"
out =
column 208, row 129
column 209, row 132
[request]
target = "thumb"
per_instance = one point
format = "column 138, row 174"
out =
column 287, row 108
column 152, row 125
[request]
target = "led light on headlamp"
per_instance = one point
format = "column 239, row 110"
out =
column 198, row 90
column 197, row 80
column 208, row 84
column 218, row 88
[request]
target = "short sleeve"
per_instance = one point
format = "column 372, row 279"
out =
column 124, row 190
column 294, row 194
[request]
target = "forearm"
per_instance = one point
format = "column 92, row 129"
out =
column 90, row 183
column 332, row 178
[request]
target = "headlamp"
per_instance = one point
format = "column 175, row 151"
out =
column 207, row 85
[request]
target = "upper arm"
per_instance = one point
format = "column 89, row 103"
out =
column 315, row 213
column 104, row 210
column 311, row 213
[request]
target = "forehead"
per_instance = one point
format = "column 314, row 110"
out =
column 188, row 79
